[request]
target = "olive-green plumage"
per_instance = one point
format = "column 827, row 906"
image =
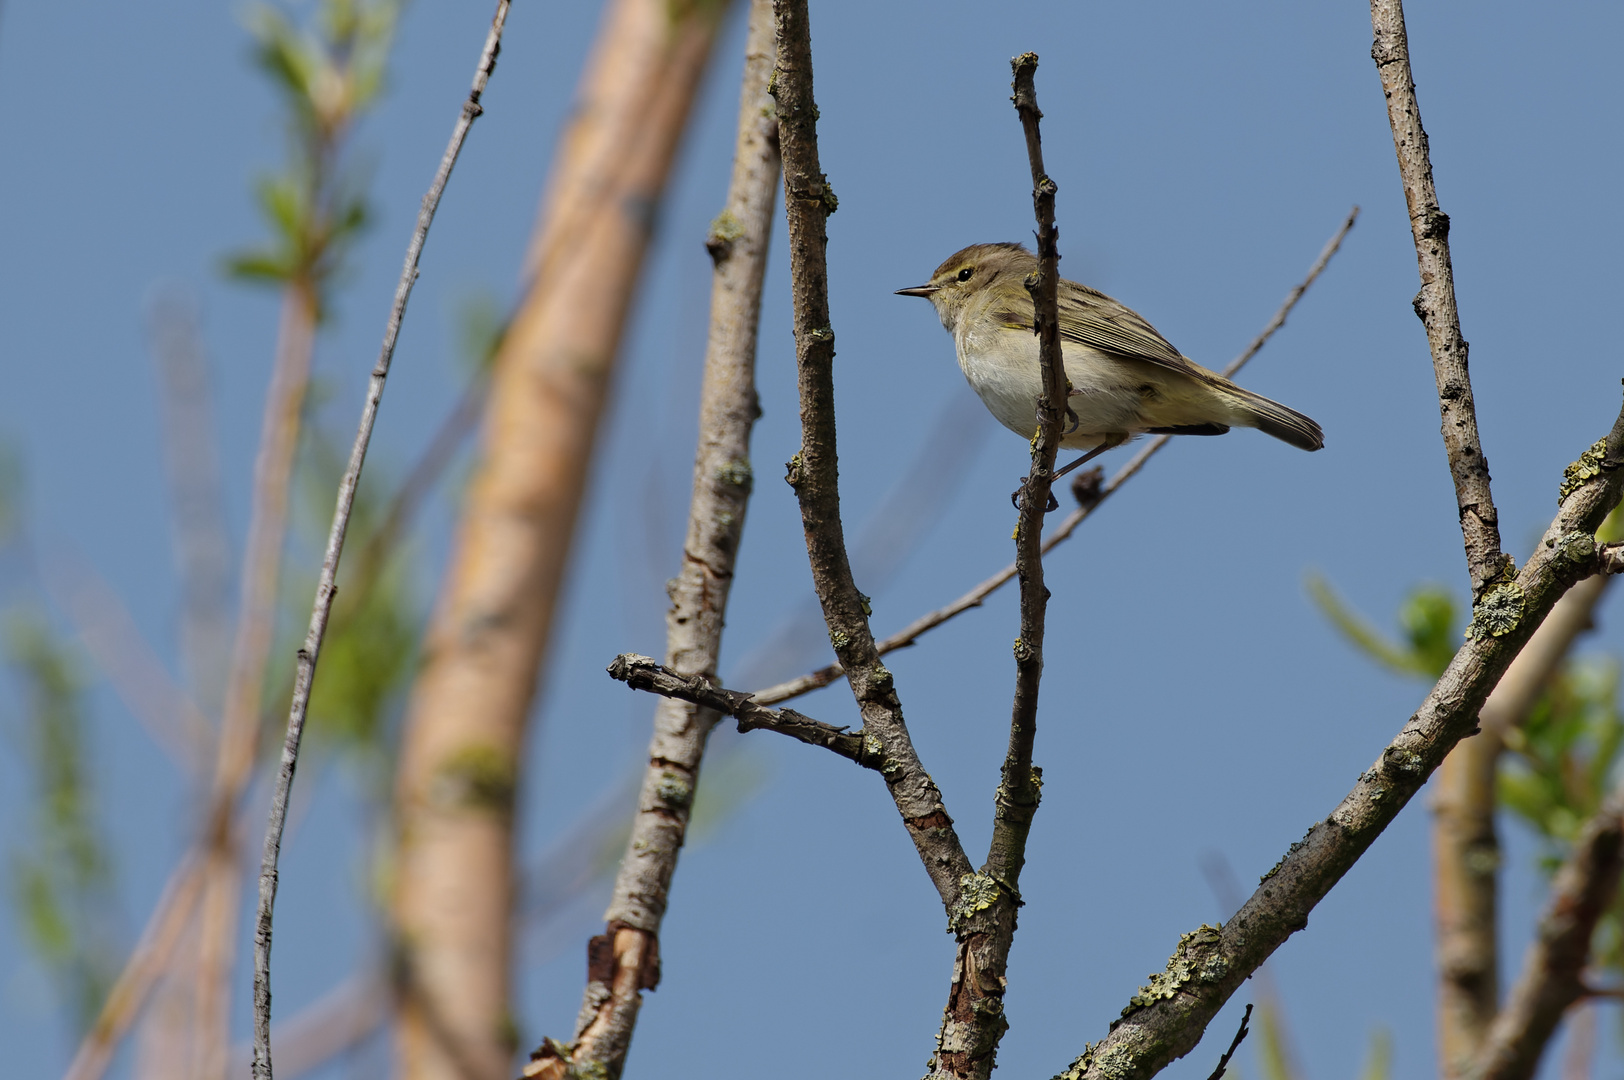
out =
column 1126, row 379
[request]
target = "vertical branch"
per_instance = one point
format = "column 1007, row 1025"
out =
column 625, row 959
column 1550, row 979
column 973, row 1021
column 813, row 472
column 1435, row 303
column 325, row 587
column 1466, row 850
column 469, row 710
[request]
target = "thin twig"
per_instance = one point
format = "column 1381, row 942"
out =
column 1435, row 303
column 973, row 1021
column 1234, row 1044
column 646, row 673
column 1210, row 964
column 1551, row 978
column 322, row 607
column 722, row 482
column 911, row 633
column 813, row 472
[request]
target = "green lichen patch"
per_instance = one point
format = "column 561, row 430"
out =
column 1080, row 1067
column 1498, row 613
column 674, row 789
column 736, row 472
column 977, row 892
column 1575, row 547
column 839, row 639
column 882, row 677
column 725, row 228
column 478, row 776
column 1196, row 960
column 872, row 746
column 1581, row 472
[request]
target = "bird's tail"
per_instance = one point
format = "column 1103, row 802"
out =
column 1273, row 418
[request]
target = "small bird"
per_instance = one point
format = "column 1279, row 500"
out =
column 1126, row 379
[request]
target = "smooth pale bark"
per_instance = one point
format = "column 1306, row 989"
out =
column 625, row 959
column 467, row 716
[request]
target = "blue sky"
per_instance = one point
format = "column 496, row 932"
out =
column 1195, row 702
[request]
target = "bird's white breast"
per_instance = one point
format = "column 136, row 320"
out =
column 1001, row 365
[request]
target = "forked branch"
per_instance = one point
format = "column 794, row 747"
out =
column 973, row 1022
column 808, row 201
column 1165, row 1020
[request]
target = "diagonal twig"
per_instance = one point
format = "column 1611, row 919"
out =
column 1210, row 964
column 325, row 588
column 911, row 633
column 1234, row 1045
column 645, row 673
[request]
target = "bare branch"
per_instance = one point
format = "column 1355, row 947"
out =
column 1466, row 848
column 973, row 1021
column 722, row 482
column 134, row 670
column 1234, row 1045
column 1435, row 303
column 911, row 633
column 1166, row 1019
column 325, row 588
column 470, row 705
column 808, row 201
column 147, row 961
column 1552, row 969
column 645, row 673
column 341, row 1019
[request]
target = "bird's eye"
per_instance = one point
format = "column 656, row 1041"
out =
column 964, row 275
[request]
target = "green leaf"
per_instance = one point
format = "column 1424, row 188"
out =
column 61, row 878
column 1379, row 1057
column 260, row 266
column 1358, row 630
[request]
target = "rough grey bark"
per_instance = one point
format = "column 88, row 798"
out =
column 813, row 473
column 1166, row 1018
column 625, row 960
column 1435, row 303
column 325, row 587
column 973, row 1021
column 645, row 673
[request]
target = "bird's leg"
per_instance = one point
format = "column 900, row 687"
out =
column 1111, row 443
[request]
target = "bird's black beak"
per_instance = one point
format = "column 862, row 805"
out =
column 920, row 290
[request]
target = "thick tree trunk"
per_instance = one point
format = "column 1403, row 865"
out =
column 467, row 717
